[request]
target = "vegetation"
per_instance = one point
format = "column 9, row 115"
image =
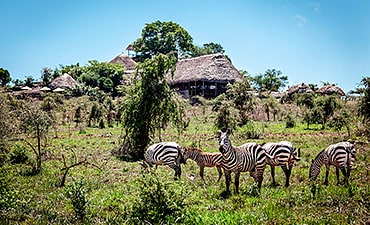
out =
column 149, row 105
column 162, row 38
column 40, row 182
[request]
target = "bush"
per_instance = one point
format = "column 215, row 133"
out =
column 251, row 131
column 158, row 202
column 77, row 193
column 289, row 121
column 18, row 155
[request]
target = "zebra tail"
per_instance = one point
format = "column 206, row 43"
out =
column 269, row 158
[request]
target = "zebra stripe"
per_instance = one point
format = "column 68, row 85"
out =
column 165, row 153
column 284, row 155
column 247, row 157
column 204, row 159
column 341, row 155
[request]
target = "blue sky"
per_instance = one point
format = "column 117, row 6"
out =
column 309, row 41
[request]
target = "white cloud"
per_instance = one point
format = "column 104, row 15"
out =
column 315, row 6
column 300, row 19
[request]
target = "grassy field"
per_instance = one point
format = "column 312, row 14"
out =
column 118, row 192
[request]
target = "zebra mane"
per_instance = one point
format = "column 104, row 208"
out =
column 319, row 155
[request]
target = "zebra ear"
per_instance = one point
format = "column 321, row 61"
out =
column 219, row 132
column 228, row 131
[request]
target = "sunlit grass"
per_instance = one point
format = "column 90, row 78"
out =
column 113, row 184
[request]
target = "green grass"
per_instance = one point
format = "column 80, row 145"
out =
column 113, row 186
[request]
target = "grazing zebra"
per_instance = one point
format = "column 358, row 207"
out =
column 247, row 157
column 165, row 153
column 341, row 155
column 204, row 159
column 284, row 155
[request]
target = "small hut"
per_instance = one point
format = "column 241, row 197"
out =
column 205, row 75
column 125, row 60
column 64, row 81
column 330, row 89
column 299, row 88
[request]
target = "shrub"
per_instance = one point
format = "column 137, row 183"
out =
column 289, row 121
column 18, row 155
column 158, row 202
column 77, row 193
column 251, row 131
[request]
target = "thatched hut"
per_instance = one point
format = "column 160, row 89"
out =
column 64, row 81
column 299, row 88
column 125, row 60
column 330, row 89
column 205, row 75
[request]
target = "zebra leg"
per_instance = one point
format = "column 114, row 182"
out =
column 259, row 175
column 237, row 175
column 348, row 172
column 326, row 182
column 219, row 173
column 227, row 179
column 343, row 169
column 177, row 170
column 273, row 175
column 337, row 174
column 201, row 172
column 288, row 172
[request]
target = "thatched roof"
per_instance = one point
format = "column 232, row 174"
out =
column 125, row 60
column 299, row 88
column 63, row 81
column 330, row 89
column 214, row 67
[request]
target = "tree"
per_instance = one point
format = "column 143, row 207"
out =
column 35, row 123
column 46, row 75
column 148, row 105
column 29, row 81
column 4, row 77
column 208, row 48
column 271, row 106
column 103, row 75
column 271, row 80
column 162, row 37
column 328, row 105
column 364, row 105
column 243, row 100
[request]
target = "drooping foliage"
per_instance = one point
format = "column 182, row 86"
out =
column 149, row 104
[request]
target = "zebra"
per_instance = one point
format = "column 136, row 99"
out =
column 284, row 155
column 204, row 159
column 247, row 157
column 165, row 153
column 341, row 155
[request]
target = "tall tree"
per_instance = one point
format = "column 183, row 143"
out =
column 162, row 37
column 271, row 80
column 4, row 77
column 46, row 75
column 149, row 105
column 364, row 108
column 208, row 48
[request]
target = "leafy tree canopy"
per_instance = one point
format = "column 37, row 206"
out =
column 208, row 48
column 271, row 80
column 162, row 37
column 104, row 75
column 4, row 77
